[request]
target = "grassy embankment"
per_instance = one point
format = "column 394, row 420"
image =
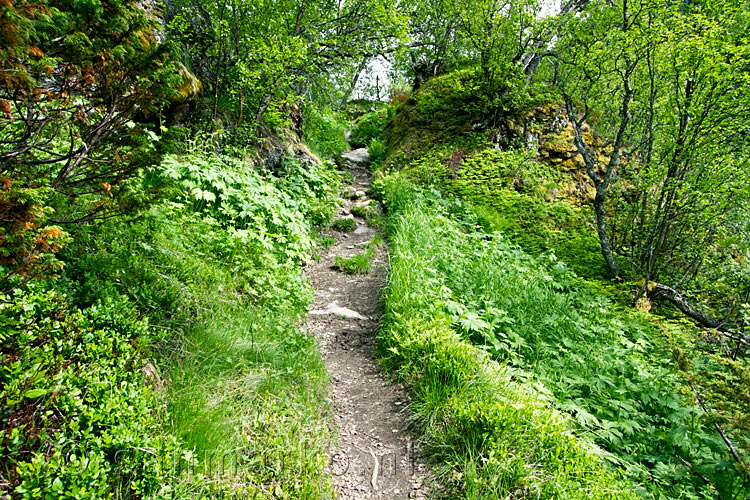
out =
column 491, row 430
column 606, row 367
column 497, row 346
column 206, row 286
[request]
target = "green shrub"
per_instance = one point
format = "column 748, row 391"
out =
column 234, row 195
column 83, row 421
column 326, row 241
column 360, row 211
column 312, row 187
column 276, row 210
column 369, row 127
column 368, row 212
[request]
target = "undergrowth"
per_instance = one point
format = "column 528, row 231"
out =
column 166, row 361
column 511, row 192
column 490, row 432
column 325, row 132
column 356, row 264
column 369, row 127
column 542, row 338
column 371, row 212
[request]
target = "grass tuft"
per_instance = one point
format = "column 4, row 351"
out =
column 358, row 264
column 362, row 262
column 344, row 225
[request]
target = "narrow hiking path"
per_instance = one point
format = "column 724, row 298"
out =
column 376, row 458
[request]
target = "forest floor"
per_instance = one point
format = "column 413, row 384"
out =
column 376, row 457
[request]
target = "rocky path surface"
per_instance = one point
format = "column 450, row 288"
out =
column 376, row 458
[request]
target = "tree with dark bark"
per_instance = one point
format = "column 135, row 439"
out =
column 668, row 86
column 597, row 58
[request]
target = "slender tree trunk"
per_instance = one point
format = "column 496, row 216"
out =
column 601, row 186
column 221, row 62
column 300, row 15
column 353, row 83
column 645, row 255
column 601, row 231
column 242, row 109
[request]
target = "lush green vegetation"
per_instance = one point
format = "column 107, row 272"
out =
column 512, row 192
column 561, row 190
column 370, row 212
column 640, row 103
column 489, row 427
column 560, row 342
column 325, row 132
column 238, row 387
column 523, row 178
column 75, row 402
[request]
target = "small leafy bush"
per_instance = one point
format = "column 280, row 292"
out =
column 269, row 211
column 326, row 241
column 81, row 421
column 312, row 186
column 360, row 211
column 369, row 212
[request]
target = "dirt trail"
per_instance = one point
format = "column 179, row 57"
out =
column 377, row 458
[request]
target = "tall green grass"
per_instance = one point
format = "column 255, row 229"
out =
column 247, row 387
column 247, row 393
column 460, row 301
column 492, row 432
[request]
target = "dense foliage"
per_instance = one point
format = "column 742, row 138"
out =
column 522, row 176
column 87, row 416
column 592, row 361
column 261, row 57
column 653, row 101
column 80, row 421
column 488, row 427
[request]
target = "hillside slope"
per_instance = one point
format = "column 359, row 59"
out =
column 625, row 380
